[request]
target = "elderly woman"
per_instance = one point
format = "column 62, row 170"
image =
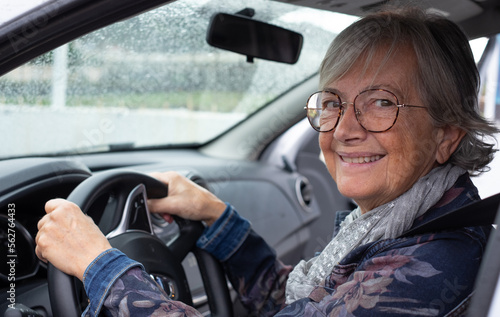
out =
column 400, row 132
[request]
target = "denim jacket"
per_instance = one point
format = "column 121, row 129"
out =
column 426, row 275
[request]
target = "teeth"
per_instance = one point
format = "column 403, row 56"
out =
column 362, row 159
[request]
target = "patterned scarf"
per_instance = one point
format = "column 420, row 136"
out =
column 384, row 222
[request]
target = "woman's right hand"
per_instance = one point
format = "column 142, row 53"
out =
column 186, row 200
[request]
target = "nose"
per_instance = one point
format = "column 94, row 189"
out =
column 348, row 127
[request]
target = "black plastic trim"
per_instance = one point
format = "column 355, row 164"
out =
column 58, row 22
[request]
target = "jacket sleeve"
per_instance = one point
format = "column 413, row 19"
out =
column 250, row 263
column 122, row 287
column 136, row 294
column 258, row 276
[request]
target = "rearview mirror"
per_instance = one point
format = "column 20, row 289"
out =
column 253, row 38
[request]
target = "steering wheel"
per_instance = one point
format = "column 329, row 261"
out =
column 130, row 231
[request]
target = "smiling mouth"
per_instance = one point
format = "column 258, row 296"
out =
column 361, row 159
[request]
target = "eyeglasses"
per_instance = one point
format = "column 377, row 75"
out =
column 376, row 110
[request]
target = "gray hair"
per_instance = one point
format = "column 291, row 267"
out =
column 446, row 77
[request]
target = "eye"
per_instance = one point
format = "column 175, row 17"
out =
column 382, row 103
column 330, row 104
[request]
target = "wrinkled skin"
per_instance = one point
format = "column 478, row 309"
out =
column 398, row 157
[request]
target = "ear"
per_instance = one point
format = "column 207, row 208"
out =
column 448, row 138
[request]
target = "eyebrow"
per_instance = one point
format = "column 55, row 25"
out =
column 388, row 87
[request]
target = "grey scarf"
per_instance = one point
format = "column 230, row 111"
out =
column 384, row 222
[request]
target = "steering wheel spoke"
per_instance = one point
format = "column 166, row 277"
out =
column 135, row 215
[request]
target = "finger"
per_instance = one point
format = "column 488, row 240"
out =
column 52, row 204
column 156, row 175
column 162, row 177
column 39, row 254
column 166, row 177
column 42, row 222
column 153, row 205
column 166, row 205
column 37, row 237
column 168, row 218
column 38, row 248
column 158, row 206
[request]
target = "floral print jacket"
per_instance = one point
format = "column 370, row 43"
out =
column 426, row 275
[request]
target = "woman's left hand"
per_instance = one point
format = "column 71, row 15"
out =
column 68, row 239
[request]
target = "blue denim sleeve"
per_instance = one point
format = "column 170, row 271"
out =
column 249, row 262
column 225, row 235
column 100, row 276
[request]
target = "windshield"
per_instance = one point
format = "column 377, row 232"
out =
column 152, row 80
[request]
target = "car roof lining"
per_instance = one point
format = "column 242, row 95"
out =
column 455, row 10
column 477, row 18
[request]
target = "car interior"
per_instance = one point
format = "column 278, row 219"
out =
column 95, row 95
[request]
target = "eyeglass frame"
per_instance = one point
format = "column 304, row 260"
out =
column 356, row 112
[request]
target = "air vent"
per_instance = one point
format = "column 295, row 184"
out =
column 303, row 190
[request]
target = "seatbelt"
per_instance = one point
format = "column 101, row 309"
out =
column 478, row 213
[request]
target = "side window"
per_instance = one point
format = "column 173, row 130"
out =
column 489, row 103
column 489, row 68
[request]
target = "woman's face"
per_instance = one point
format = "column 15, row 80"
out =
column 396, row 158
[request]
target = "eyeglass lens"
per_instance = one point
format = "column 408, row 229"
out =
column 376, row 110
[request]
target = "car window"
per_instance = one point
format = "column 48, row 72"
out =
column 152, row 80
column 478, row 45
column 489, row 104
